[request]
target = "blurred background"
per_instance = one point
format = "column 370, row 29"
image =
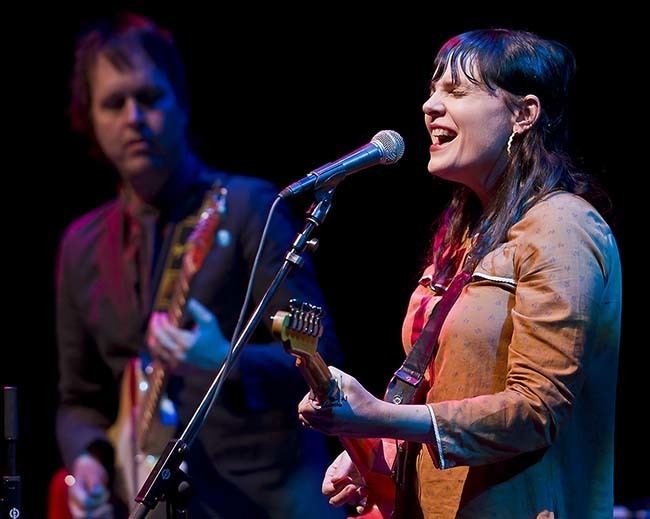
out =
column 277, row 92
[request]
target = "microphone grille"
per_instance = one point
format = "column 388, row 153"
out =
column 391, row 144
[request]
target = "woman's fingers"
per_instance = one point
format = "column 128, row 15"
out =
column 350, row 494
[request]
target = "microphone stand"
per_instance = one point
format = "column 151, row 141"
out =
column 166, row 480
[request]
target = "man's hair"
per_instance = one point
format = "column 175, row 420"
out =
column 116, row 39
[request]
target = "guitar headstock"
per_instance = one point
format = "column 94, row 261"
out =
column 300, row 328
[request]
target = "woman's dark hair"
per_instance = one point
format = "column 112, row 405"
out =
column 116, row 39
column 519, row 63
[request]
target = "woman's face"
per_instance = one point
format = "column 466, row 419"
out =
column 469, row 127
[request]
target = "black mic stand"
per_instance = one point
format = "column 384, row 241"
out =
column 166, row 480
column 10, row 495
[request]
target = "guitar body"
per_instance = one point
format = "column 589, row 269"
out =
column 374, row 458
column 133, row 462
column 373, row 513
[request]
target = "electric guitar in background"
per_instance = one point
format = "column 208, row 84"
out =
column 139, row 434
column 300, row 329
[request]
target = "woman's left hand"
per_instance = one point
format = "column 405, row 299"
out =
column 359, row 415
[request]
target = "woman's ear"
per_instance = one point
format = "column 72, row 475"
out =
column 527, row 114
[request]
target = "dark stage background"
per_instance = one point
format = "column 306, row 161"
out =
column 277, row 98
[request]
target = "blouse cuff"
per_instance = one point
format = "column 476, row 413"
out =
column 436, row 432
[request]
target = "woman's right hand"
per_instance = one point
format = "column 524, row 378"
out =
column 343, row 484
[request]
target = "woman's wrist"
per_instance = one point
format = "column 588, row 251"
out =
column 409, row 422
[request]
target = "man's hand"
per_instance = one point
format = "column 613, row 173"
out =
column 204, row 346
column 88, row 495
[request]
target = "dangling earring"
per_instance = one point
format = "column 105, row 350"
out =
column 509, row 145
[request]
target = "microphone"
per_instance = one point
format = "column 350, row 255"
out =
column 386, row 147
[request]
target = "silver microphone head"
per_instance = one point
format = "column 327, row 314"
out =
column 391, row 145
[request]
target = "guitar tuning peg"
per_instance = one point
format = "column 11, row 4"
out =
column 295, row 322
column 300, row 315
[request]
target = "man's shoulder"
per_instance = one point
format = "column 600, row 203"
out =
column 246, row 190
column 249, row 184
column 88, row 226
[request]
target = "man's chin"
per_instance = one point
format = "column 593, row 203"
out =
column 138, row 167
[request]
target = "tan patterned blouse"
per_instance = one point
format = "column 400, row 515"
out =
column 524, row 381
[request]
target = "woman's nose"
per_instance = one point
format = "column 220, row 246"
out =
column 433, row 106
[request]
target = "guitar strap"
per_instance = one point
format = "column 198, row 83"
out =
column 166, row 275
column 165, row 279
column 407, row 387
